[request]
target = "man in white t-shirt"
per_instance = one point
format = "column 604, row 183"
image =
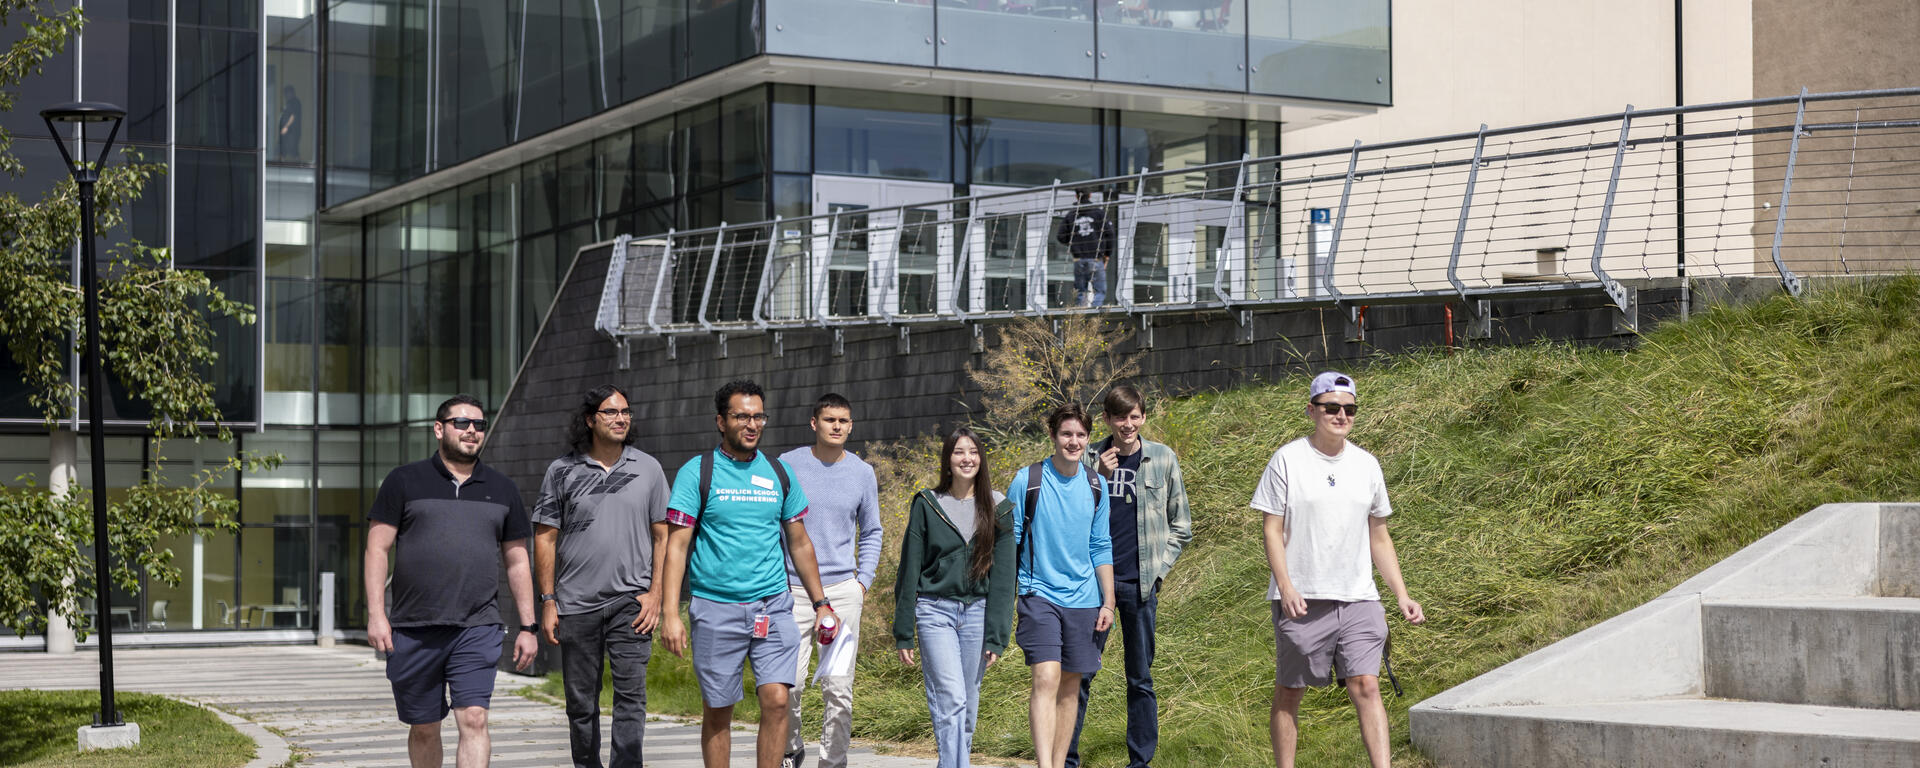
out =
column 1326, row 530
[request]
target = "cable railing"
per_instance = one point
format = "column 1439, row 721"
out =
column 1780, row 188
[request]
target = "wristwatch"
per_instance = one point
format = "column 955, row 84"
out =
column 821, row 602
column 548, row 597
column 534, row 628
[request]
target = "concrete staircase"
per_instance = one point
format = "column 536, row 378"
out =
column 1801, row 650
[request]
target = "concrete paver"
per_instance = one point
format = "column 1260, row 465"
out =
column 334, row 705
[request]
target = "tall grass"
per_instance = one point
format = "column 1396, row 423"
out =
column 1537, row 491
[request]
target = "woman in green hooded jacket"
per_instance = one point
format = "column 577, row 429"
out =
column 955, row 589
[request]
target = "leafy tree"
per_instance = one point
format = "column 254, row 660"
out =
column 155, row 337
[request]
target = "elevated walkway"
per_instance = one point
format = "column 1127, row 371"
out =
column 1801, row 650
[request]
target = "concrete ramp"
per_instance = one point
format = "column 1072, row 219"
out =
column 1802, row 649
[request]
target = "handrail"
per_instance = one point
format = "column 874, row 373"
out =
column 1404, row 223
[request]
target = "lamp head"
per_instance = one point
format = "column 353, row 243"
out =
column 83, row 112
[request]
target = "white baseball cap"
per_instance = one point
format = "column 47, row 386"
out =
column 1331, row 381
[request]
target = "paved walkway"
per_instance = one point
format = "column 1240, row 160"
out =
column 334, row 705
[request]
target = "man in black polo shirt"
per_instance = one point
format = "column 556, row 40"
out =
column 453, row 519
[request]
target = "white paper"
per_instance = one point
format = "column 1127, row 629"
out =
column 836, row 658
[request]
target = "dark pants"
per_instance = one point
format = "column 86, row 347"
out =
column 585, row 640
column 1135, row 623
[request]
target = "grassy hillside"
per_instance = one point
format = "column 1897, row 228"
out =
column 1537, row 491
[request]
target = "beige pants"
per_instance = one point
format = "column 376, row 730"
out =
column 836, row 692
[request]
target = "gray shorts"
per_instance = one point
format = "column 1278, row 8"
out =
column 1348, row 637
column 723, row 642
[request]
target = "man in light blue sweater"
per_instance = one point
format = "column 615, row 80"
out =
column 843, row 520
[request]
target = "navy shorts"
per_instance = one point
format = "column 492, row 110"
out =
column 1048, row 632
column 430, row 666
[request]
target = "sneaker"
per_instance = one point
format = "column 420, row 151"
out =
column 793, row 759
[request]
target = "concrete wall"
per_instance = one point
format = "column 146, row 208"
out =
column 926, row 390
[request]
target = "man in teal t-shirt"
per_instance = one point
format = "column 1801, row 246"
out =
column 741, row 608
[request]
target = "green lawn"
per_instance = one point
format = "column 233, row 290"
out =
column 39, row 731
column 1538, row 491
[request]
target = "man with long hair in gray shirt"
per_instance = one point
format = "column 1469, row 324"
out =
column 600, row 527
column 843, row 520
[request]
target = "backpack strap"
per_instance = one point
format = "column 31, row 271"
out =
column 1033, row 503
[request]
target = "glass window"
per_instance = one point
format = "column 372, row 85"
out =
column 217, row 220
column 654, row 161
column 720, row 32
column 234, row 373
column 476, row 82
column 1329, row 49
column 238, row 14
column 207, row 567
column 1156, row 142
column 614, row 155
column 290, row 88
column 792, row 128
column 743, row 135
column 126, row 65
column 1053, row 39
column 1181, row 44
column 699, row 135
column 274, row 577
column 382, row 364
column 434, row 312
column 868, row 133
column 868, row 30
column 288, row 316
column 338, row 373
column 54, row 85
column 652, row 46
column 539, row 280
column 146, row 217
column 1032, row 145
column 278, row 496
column 495, row 222
column 218, row 88
column 576, row 186
column 792, row 196
column 540, row 194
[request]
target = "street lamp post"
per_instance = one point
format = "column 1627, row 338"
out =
column 85, row 174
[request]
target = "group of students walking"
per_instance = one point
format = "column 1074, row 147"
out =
column 775, row 557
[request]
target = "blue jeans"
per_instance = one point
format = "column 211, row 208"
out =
column 1135, row 623
column 1089, row 277
column 951, row 634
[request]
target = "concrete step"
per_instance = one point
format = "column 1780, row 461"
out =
column 1833, row 651
column 1672, row 732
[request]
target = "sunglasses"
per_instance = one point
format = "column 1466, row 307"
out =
column 462, row 424
column 1334, row 409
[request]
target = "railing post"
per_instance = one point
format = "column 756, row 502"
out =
column 1037, row 253
column 1339, row 224
column 963, row 260
column 1788, row 279
column 607, row 320
column 766, row 271
column 713, row 268
column 1466, row 205
column 659, row 284
column 323, row 634
column 1234, row 215
column 823, row 282
column 1127, row 273
column 1613, row 287
column 890, row 296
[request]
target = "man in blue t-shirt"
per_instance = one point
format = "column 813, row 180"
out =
column 741, row 505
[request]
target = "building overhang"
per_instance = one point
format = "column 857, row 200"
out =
column 1289, row 113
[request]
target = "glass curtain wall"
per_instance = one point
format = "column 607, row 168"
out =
column 419, row 85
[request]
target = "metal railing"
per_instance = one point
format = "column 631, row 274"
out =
column 1777, row 188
